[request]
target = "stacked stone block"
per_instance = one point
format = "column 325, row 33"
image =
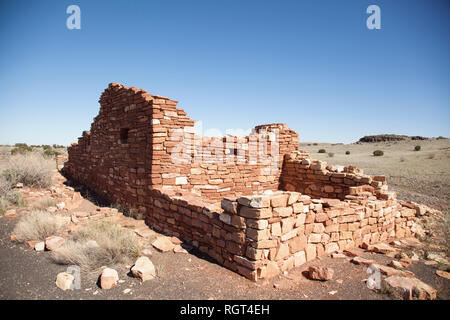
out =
column 231, row 210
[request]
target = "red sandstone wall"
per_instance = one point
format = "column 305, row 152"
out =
column 315, row 178
column 125, row 172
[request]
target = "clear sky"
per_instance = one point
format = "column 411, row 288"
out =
column 313, row 65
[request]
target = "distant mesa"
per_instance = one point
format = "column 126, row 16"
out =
column 390, row 137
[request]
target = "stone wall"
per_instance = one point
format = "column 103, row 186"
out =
column 316, row 178
column 221, row 193
column 285, row 229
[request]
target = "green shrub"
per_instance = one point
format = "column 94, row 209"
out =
column 347, row 152
column 378, row 153
column 51, row 152
column 322, row 151
column 417, row 148
column 315, row 144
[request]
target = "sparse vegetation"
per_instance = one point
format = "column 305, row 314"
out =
column 402, row 159
column 32, row 169
column 21, row 148
column 44, row 203
column 431, row 156
column 417, row 148
column 330, row 154
column 100, row 243
column 347, row 152
column 37, row 226
column 315, row 144
column 322, row 151
column 8, row 196
column 378, row 153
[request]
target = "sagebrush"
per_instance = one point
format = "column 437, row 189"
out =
column 31, row 169
column 37, row 226
column 100, row 243
column 8, row 196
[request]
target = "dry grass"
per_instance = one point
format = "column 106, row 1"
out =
column 44, row 203
column 100, row 243
column 32, row 169
column 37, row 226
column 8, row 196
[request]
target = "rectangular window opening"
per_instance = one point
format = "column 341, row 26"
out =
column 124, row 135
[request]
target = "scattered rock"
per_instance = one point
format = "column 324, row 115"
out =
column 52, row 209
column 362, row 261
column 395, row 264
column 415, row 257
column 144, row 232
column 443, row 274
column 405, row 261
column 383, row 248
column 81, row 214
column 437, row 257
column 40, row 246
column 19, row 185
column 60, row 205
column 431, row 263
column 143, row 269
column 31, row 244
column 175, row 240
column 350, row 253
column 10, row 213
column 388, row 271
column 179, row 249
column 332, row 292
column 408, row 288
column 53, row 242
column 163, row 244
column 147, row 252
column 320, row 273
column 338, row 256
column 74, row 219
column 13, row 237
column 127, row 291
column 64, row 281
column 108, row 278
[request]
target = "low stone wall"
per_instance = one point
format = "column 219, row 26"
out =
column 316, row 178
column 261, row 236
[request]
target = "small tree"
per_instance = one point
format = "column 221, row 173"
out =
column 417, row 148
column 347, row 152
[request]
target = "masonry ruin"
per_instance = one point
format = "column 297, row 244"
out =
column 256, row 215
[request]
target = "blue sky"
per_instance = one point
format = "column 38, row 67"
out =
column 313, row 65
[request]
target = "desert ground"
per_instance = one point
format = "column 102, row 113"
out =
column 420, row 176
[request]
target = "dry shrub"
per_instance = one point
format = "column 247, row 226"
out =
column 8, row 196
column 100, row 243
column 37, row 226
column 32, row 169
column 44, row 203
